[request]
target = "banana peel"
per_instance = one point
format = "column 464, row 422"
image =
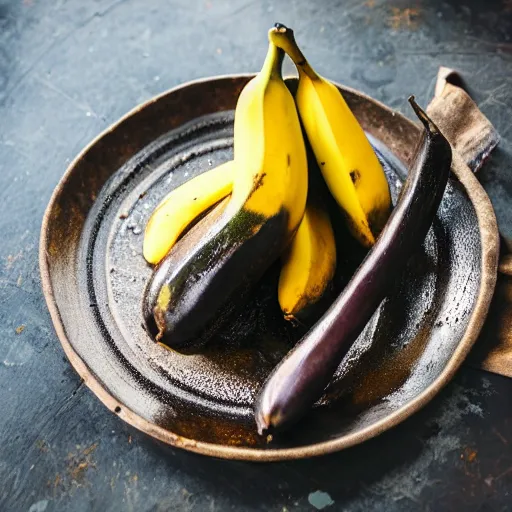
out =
column 191, row 298
column 346, row 158
column 181, row 207
column 308, row 264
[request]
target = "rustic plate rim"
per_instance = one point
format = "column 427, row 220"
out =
column 489, row 261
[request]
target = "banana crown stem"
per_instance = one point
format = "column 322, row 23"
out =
column 284, row 38
column 273, row 62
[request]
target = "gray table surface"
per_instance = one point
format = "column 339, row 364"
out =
column 70, row 68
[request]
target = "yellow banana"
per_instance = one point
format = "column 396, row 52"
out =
column 308, row 263
column 347, row 161
column 188, row 298
column 269, row 148
column 181, row 206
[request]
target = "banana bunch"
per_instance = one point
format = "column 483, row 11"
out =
column 264, row 208
column 308, row 264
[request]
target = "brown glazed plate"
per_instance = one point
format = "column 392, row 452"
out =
column 93, row 277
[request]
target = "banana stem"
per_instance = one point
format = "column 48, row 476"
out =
column 284, row 38
column 273, row 62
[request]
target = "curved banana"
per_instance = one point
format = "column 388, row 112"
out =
column 181, row 206
column 189, row 298
column 347, row 161
column 308, row 263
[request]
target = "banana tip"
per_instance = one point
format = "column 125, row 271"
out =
column 279, row 30
column 279, row 27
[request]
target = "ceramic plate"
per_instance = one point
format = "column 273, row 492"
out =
column 94, row 275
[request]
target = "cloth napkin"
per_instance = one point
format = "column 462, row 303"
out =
column 473, row 136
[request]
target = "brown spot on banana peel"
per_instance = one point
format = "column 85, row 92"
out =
column 300, row 379
column 258, row 182
column 354, row 176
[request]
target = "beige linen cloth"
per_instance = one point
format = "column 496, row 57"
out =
column 474, row 137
